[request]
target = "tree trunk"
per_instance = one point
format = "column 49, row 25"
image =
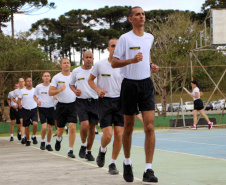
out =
column 2, row 97
column 12, row 23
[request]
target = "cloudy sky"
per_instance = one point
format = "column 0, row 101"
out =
column 24, row 22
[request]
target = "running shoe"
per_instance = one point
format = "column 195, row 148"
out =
column 70, row 154
column 57, row 145
column 42, row 146
column 23, row 141
column 128, row 173
column 49, row 148
column 28, row 143
column 193, row 127
column 89, row 156
column 11, row 139
column 82, row 152
column 112, row 169
column 18, row 136
column 35, row 142
column 210, row 125
column 149, row 176
column 101, row 158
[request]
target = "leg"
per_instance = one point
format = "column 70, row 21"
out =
column 43, row 130
column 84, row 130
column 195, row 112
column 49, row 133
column 18, row 127
column 22, row 128
column 127, row 134
column 148, row 117
column 106, row 137
column 72, row 134
column 204, row 115
column 117, row 144
column 91, row 135
column 12, row 126
column 139, row 118
column 27, row 133
column 35, row 127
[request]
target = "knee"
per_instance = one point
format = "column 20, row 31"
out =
column 50, row 127
column 71, row 127
column 117, row 135
column 108, row 136
column 149, row 128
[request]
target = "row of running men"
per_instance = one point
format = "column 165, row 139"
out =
column 109, row 92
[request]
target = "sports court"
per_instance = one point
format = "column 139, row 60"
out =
column 182, row 156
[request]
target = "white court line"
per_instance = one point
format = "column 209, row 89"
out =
column 78, row 161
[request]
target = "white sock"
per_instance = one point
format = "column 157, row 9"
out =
column 147, row 166
column 33, row 136
column 23, row 137
column 70, row 149
column 83, row 144
column 59, row 138
column 11, row 135
column 43, row 140
column 112, row 161
column 103, row 150
column 65, row 127
column 47, row 143
column 95, row 129
column 209, row 123
column 128, row 161
column 88, row 151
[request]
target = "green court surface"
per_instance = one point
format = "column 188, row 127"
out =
column 182, row 156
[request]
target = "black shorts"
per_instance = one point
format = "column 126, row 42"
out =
column 110, row 112
column 87, row 109
column 20, row 113
column 29, row 115
column 137, row 93
column 14, row 115
column 54, row 115
column 65, row 112
column 46, row 115
column 198, row 104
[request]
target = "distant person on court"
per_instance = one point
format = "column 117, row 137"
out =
column 65, row 109
column 132, row 55
column 86, row 105
column 13, row 114
column 198, row 105
column 45, row 109
column 29, row 111
column 16, row 94
column 110, row 112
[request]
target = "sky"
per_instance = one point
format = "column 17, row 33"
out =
column 23, row 22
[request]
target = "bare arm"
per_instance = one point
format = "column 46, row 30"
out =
column 196, row 95
column 75, row 90
column 100, row 92
column 117, row 63
column 37, row 101
column 19, row 103
column 8, row 101
column 54, row 91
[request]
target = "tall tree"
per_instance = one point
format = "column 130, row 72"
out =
column 4, row 16
column 24, row 7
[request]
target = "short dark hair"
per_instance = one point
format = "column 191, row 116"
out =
column 195, row 82
column 131, row 11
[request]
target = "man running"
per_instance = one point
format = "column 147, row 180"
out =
column 108, row 88
column 65, row 109
column 46, row 110
column 29, row 110
column 86, row 104
column 132, row 55
column 13, row 114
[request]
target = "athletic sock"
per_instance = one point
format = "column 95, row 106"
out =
column 23, row 137
column 33, row 136
column 103, row 150
column 83, row 144
column 20, row 133
column 112, row 161
column 59, row 138
column 47, row 143
column 70, row 149
column 43, row 140
column 11, row 135
column 88, row 151
column 128, row 161
column 147, row 166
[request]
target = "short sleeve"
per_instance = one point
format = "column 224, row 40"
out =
column 94, row 70
column 36, row 91
column 9, row 95
column 73, row 77
column 54, row 82
column 20, row 94
column 120, row 48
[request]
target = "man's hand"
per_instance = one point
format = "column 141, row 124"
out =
column 137, row 58
column 154, row 68
column 78, row 92
column 62, row 87
column 101, row 93
column 39, row 103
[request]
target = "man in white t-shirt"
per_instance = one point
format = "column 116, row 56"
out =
column 13, row 113
column 45, row 109
column 110, row 112
column 86, row 105
column 132, row 56
column 65, row 109
column 16, row 94
column 29, row 110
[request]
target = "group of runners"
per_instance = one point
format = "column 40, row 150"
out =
column 110, row 92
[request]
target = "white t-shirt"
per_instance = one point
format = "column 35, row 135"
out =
column 67, row 95
column 42, row 93
column 79, row 78
column 108, row 78
column 10, row 96
column 17, row 93
column 128, row 45
column 194, row 91
column 28, row 101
